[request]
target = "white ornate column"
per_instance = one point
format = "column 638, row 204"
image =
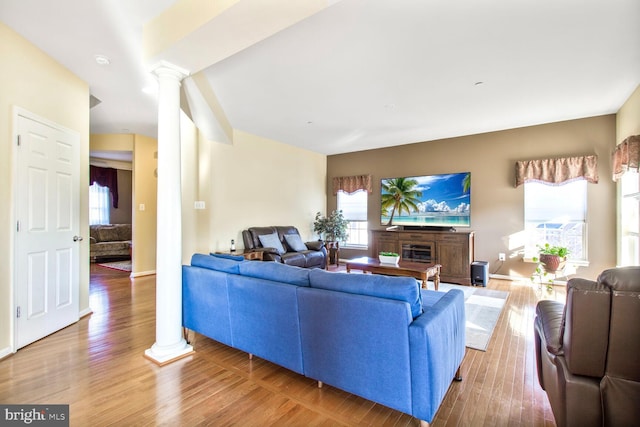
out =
column 170, row 344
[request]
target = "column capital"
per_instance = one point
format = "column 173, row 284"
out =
column 167, row 69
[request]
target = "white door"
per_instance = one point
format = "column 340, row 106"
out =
column 46, row 286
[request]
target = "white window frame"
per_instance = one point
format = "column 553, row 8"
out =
column 354, row 209
column 629, row 251
column 559, row 224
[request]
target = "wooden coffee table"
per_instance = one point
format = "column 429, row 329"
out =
column 418, row 270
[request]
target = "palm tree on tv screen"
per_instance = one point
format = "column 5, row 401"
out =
column 399, row 194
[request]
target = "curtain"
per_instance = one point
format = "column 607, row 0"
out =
column 557, row 171
column 98, row 204
column 106, row 177
column 625, row 156
column 351, row 184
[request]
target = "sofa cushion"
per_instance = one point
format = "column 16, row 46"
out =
column 114, row 233
column 294, row 258
column 216, row 263
column 271, row 241
column 276, row 272
column 397, row 288
column 295, row 242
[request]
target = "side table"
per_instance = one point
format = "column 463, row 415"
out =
column 257, row 255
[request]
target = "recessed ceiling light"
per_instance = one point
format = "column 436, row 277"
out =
column 102, row 60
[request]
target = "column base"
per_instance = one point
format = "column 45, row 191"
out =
column 164, row 356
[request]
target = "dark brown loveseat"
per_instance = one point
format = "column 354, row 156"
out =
column 588, row 350
column 284, row 244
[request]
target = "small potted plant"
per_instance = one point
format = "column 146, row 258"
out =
column 388, row 257
column 553, row 258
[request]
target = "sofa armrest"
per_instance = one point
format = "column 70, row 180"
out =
column 437, row 346
column 316, row 245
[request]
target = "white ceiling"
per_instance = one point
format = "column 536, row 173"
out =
column 367, row 74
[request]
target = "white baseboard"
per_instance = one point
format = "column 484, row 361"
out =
column 506, row 277
column 4, row 352
column 87, row 311
column 521, row 279
column 142, row 273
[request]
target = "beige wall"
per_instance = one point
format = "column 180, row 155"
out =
column 497, row 214
column 112, row 142
column 628, row 117
column 122, row 214
column 252, row 182
column 627, row 124
column 145, row 192
column 32, row 80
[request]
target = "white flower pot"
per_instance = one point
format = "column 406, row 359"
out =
column 385, row 259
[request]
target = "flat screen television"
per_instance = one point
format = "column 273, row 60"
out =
column 441, row 201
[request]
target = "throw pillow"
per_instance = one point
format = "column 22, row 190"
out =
column 271, row 241
column 295, row 242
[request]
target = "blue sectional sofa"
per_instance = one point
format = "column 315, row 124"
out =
column 381, row 338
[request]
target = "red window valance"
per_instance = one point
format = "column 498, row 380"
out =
column 351, row 184
column 625, row 157
column 557, row 171
column 106, row 177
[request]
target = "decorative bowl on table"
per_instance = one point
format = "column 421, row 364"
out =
column 388, row 258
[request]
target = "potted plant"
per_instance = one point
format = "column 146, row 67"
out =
column 553, row 258
column 388, row 257
column 332, row 229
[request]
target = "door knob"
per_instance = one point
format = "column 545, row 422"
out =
column 77, row 238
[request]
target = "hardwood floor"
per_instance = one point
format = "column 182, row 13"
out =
column 97, row 366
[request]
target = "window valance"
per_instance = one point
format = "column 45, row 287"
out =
column 106, row 177
column 351, row 184
column 625, row 157
column 557, row 171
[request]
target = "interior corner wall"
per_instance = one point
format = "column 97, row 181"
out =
column 627, row 124
column 32, row 80
column 257, row 182
column 144, row 221
column 195, row 224
column 497, row 207
column 628, row 117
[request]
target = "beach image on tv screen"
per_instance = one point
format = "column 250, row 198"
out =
column 429, row 201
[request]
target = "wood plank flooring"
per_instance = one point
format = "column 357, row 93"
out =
column 97, row 366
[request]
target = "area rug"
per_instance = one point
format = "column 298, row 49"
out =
column 482, row 307
column 117, row 265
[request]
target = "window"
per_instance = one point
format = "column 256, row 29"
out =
column 630, row 218
column 99, row 203
column 354, row 209
column 556, row 214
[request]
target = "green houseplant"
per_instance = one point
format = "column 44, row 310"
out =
column 332, row 229
column 553, row 258
column 550, row 259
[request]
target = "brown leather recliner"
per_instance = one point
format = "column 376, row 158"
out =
column 312, row 254
column 588, row 351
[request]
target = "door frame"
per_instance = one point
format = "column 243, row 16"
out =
column 18, row 112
